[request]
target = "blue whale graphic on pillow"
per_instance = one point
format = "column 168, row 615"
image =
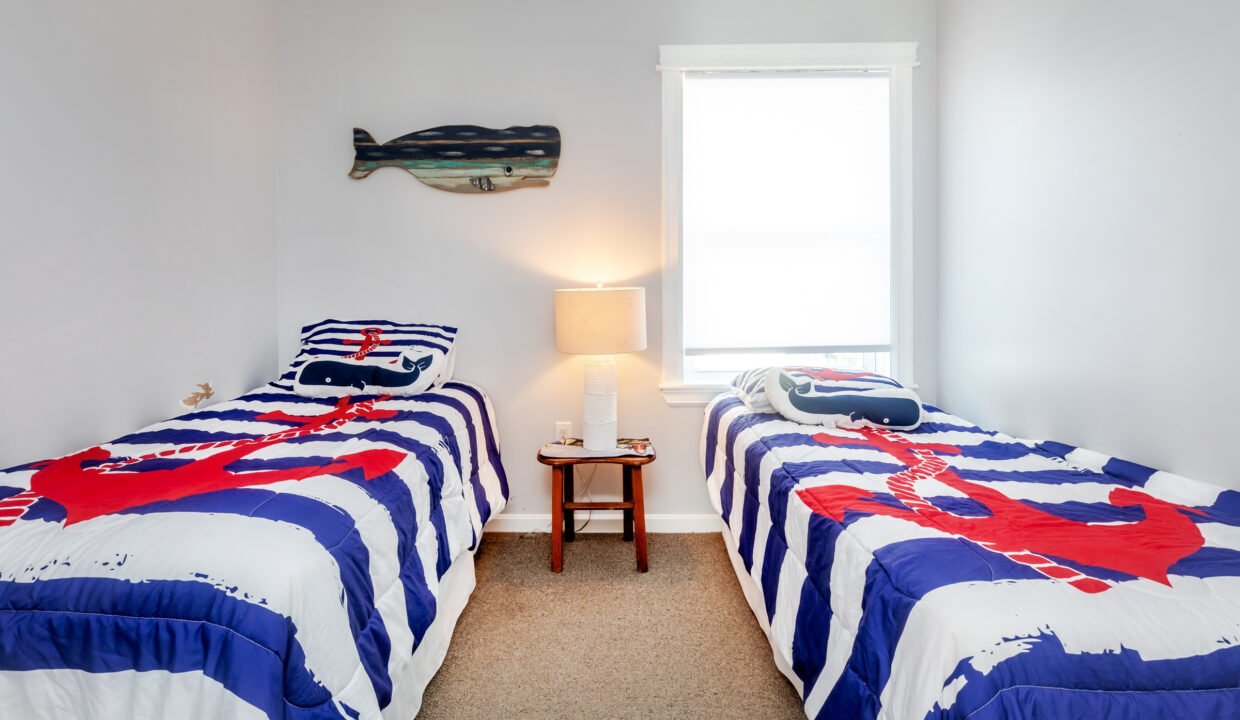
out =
column 339, row 373
column 856, row 405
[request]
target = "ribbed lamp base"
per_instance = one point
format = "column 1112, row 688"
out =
column 599, row 404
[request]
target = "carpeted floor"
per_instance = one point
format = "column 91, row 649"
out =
column 603, row 641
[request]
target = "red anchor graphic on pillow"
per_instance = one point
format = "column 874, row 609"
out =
column 88, row 492
column 1145, row 548
column 371, row 341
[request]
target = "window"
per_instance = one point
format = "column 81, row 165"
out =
column 786, row 180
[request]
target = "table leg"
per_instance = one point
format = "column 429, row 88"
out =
column 627, row 524
column 557, row 519
column 639, row 519
column 570, row 529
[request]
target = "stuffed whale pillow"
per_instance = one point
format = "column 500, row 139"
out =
column 751, row 384
column 820, row 396
column 413, row 371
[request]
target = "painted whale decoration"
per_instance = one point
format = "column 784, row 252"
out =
column 895, row 408
column 465, row 158
column 340, row 373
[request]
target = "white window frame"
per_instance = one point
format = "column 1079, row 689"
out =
column 898, row 60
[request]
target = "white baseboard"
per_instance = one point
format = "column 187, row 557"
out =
column 606, row 521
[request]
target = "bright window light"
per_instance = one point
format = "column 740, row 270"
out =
column 786, row 221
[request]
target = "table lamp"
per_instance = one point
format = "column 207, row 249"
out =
column 600, row 322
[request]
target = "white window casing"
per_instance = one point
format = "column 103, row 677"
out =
column 898, row 61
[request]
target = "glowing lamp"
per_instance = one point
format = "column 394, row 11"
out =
column 600, row 322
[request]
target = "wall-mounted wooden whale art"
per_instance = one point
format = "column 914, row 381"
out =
column 465, row 158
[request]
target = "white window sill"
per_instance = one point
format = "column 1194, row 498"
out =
column 699, row 395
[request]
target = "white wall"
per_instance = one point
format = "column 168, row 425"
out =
column 390, row 246
column 1090, row 225
column 136, row 213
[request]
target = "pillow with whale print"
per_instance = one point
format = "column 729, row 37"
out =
column 820, row 396
column 413, row 371
column 373, row 340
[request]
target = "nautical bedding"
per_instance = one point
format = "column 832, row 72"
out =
column 953, row 572
column 273, row 556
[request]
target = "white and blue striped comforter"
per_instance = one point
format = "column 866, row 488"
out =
column 952, row 572
column 271, row 556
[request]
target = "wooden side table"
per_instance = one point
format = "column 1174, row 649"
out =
column 563, row 503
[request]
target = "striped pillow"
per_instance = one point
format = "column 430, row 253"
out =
column 751, row 389
column 373, row 341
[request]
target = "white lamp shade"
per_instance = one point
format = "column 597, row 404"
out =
column 600, row 321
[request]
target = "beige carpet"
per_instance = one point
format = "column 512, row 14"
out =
column 601, row 640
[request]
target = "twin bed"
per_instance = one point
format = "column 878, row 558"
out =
column 276, row 556
column 951, row 572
